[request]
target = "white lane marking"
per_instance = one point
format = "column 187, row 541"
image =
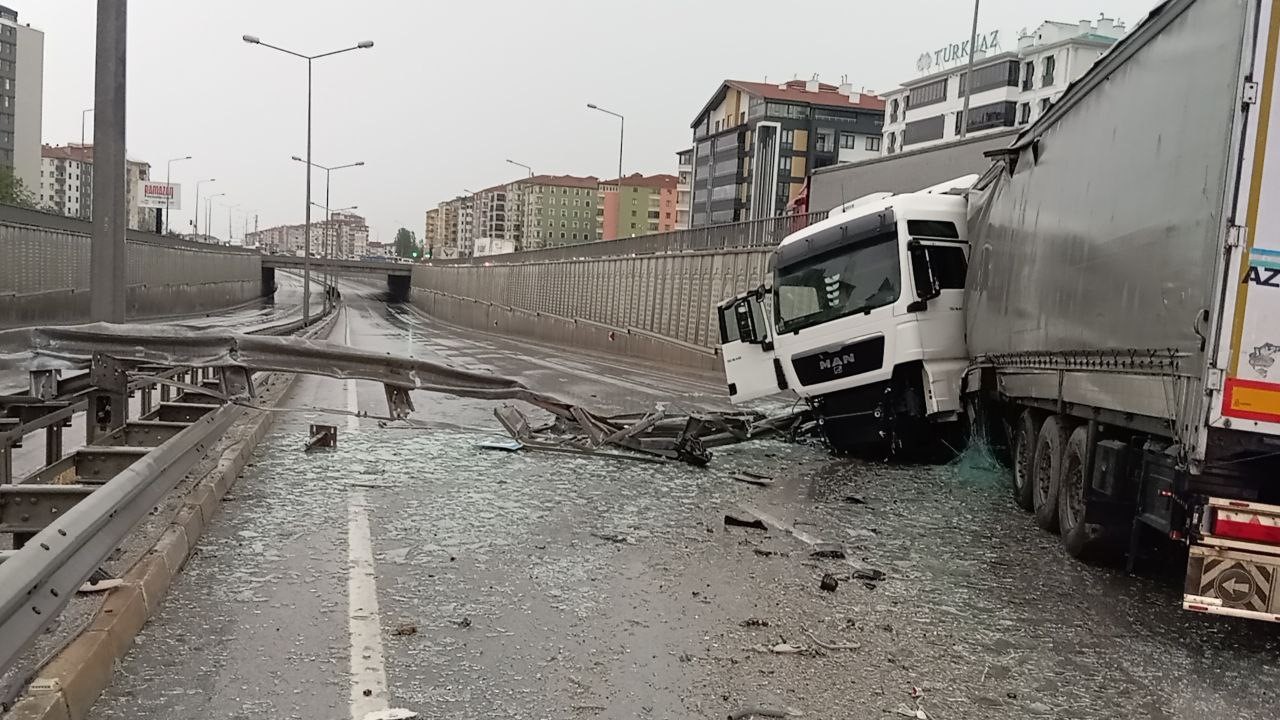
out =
column 353, row 398
column 368, row 671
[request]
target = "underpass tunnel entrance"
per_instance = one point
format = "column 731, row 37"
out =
column 398, row 288
column 268, row 280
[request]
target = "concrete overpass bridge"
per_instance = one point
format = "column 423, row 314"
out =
column 398, row 275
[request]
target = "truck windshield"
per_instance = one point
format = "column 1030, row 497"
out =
column 842, row 282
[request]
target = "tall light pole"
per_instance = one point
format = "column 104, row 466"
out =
column 195, row 210
column 328, row 224
column 968, row 73
column 622, row 127
column 526, row 167
column 306, row 255
column 108, row 283
column 84, row 115
column 168, row 199
column 208, row 214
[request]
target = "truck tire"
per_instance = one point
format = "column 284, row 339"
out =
column 1051, row 447
column 1025, row 435
column 1089, row 542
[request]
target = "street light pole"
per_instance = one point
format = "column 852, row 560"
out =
column 195, row 210
column 622, row 128
column 968, row 73
column 328, row 227
column 168, row 198
column 306, row 255
column 108, row 281
column 84, row 154
column 526, row 167
column 208, row 214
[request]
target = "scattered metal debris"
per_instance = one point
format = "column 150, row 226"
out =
column 754, row 622
column 93, row 586
column 779, row 649
column 831, row 551
column 764, row 711
column 464, row 622
column 870, row 574
column 404, row 629
column 753, row 479
column 829, row 583
column 832, row 646
column 322, row 436
column 755, row 523
column 917, row 713
column 390, row 713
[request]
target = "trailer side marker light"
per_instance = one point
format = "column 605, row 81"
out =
column 1198, row 608
column 1166, row 493
column 1237, row 503
column 1175, row 535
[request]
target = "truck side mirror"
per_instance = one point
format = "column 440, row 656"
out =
column 746, row 321
column 927, row 286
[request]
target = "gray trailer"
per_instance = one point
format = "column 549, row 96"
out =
column 1122, row 303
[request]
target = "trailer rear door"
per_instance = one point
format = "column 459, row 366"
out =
column 1248, row 398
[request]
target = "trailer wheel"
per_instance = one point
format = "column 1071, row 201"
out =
column 1051, row 446
column 1083, row 541
column 1024, row 454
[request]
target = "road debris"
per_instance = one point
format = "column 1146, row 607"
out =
column 751, row 478
column 779, row 649
column 749, row 521
column 870, row 574
column 464, row 622
column 917, row 713
column 405, row 629
column 390, row 714
column 754, row 622
column 829, row 583
column 322, row 436
column 832, row 646
column 832, row 551
column 616, row 538
column 854, row 500
column 92, row 586
column 764, row 711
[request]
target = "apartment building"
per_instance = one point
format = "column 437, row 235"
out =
column 684, row 187
column 346, row 235
column 636, row 205
column 557, row 210
column 21, row 98
column 64, row 185
column 754, row 144
column 1010, row 88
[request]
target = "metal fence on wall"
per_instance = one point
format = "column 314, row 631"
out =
column 44, row 271
column 765, row 233
column 652, row 296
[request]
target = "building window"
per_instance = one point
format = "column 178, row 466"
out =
column 893, row 111
column 934, row 92
column 873, row 143
column 1049, row 64
column 633, row 213
column 826, row 138
column 1028, row 74
column 1024, row 113
column 784, row 165
column 848, row 141
column 1003, row 74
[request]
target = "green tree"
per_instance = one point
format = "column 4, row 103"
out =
column 406, row 244
column 13, row 191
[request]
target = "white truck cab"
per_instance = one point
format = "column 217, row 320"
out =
column 862, row 318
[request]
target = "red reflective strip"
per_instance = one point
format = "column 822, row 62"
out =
column 1254, row 530
column 1237, row 503
column 1201, row 608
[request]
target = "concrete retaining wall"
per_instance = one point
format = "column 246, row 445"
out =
column 44, row 272
column 659, row 308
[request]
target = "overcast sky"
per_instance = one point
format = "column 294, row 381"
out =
column 452, row 89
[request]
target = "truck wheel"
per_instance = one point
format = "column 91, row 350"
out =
column 1024, row 455
column 1051, row 446
column 1083, row 541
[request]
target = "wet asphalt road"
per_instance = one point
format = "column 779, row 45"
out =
column 549, row 586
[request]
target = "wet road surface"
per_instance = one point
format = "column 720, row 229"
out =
column 550, row 586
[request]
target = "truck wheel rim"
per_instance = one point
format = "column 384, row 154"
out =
column 1043, row 471
column 1022, row 463
column 1074, row 477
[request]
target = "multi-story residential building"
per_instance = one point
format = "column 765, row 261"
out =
column 21, row 98
column 492, row 219
column 557, row 210
column 65, row 182
column 1010, row 88
column 755, row 143
column 65, row 185
column 684, row 187
column 431, row 229
column 636, row 205
column 464, row 242
column 346, row 235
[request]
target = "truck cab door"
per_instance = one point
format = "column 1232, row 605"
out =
column 746, row 346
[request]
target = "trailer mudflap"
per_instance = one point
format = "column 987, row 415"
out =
column 1232, row 582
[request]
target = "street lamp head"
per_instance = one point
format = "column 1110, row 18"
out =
column 360, row 163
column 365, row 44
column 251, row 39
column 593, row 106
column 295, row 157
column 186, row 158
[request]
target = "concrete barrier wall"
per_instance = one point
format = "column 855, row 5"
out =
column 44, row 272
column 654, row 307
